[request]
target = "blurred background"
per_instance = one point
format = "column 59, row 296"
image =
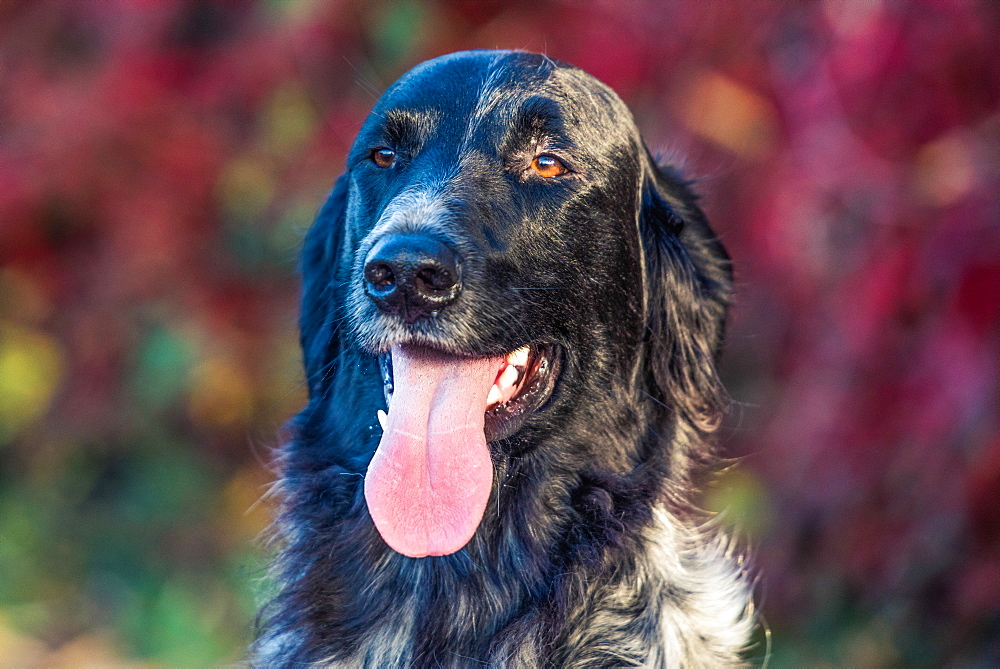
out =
column 160, row 162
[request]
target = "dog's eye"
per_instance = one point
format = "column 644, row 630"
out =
column 383, row 157
column 548, row 166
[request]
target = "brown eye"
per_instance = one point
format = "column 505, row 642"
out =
column 383, row 157
column 548, row 166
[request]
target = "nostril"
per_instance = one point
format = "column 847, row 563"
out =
column 380, row 275
column 435, row 279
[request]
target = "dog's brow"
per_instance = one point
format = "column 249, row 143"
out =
column 536, row 119
column 541, row 109
column 539, row 115
column 403, row 126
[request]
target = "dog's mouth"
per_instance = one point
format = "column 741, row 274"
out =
column 524, row 381
column 430, row 478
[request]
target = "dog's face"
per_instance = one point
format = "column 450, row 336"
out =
column 503, row 244
column 526, row 174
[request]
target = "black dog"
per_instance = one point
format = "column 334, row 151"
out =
column 540, row 307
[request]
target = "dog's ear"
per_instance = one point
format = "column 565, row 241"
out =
column 688, row 285
column 321, row 267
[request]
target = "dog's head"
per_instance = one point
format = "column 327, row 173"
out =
column 506, row 248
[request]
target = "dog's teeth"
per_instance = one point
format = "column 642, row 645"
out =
column 494, row 396
column 508, row 377
column 382, row 418
column 518, row 357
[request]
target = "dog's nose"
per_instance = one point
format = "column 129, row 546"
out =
column 411, row 275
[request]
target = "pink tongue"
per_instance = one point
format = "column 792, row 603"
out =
column 429, row 481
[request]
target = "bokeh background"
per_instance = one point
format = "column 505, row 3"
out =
column 159, row 163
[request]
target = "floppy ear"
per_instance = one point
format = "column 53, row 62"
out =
column 688, row 285
column 321, row 268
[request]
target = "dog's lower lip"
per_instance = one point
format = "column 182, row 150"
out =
column 538, row 367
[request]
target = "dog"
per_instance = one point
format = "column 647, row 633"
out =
column 538, row 306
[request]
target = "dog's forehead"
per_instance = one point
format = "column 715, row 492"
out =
column 473, row 85
column 460, row 79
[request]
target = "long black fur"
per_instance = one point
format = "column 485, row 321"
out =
column 589, row 554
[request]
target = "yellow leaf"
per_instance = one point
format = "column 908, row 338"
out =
column 31, row 366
